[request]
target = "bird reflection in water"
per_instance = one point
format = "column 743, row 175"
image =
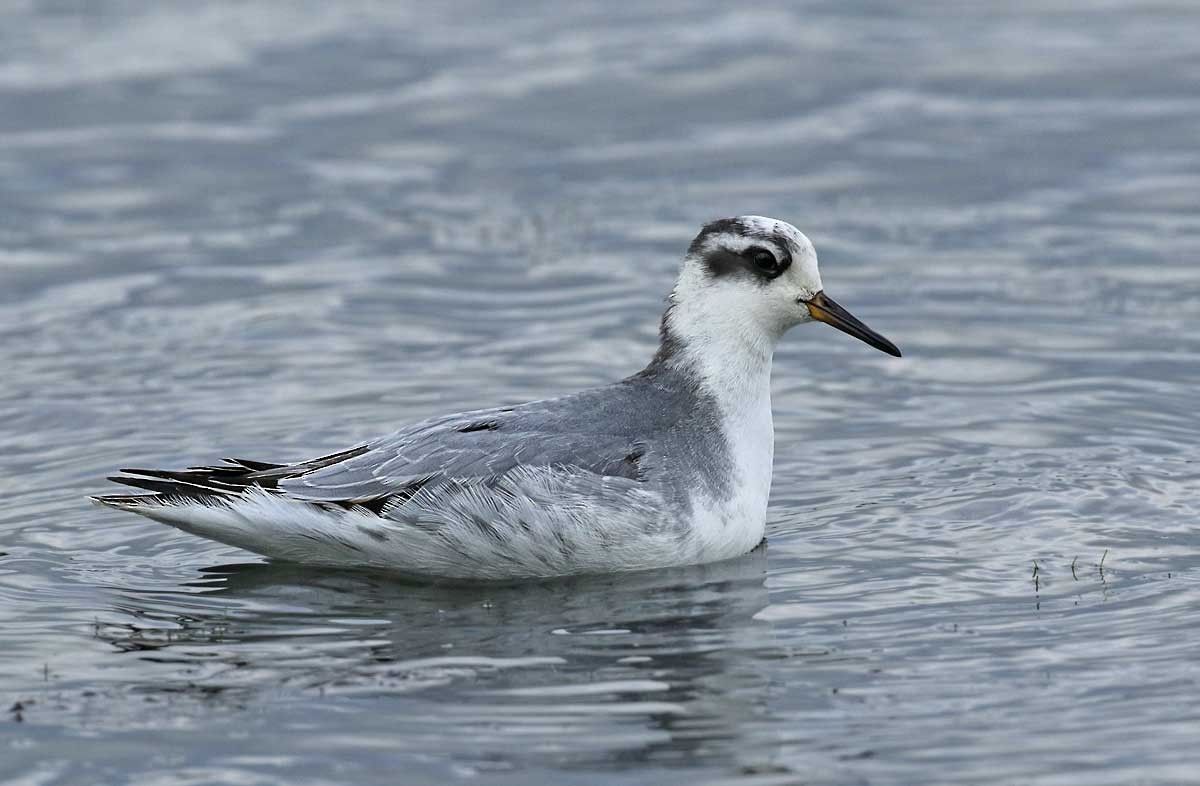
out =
column 658, row 665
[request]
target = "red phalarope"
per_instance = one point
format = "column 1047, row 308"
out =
column 668, row 467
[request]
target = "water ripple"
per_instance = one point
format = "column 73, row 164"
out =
column 276, row 229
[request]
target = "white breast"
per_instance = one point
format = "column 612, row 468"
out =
column 728, row 334
column 734, row 524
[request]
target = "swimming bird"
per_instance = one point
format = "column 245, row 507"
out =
column 670, row 466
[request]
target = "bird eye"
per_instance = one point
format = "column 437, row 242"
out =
column 764, row 261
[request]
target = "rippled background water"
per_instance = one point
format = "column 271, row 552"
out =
column 274, row 229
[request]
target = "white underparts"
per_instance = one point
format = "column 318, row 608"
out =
column 533, row 522
column 730, row 352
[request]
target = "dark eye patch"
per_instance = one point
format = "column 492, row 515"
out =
column 763, row 263
column 719, row 262
column 758, row 261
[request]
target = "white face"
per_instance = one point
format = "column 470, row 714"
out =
column 753, row 278
column 754, row 270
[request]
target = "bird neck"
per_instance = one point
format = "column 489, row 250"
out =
column 720, row 349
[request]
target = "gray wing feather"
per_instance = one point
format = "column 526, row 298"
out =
column 479, row 446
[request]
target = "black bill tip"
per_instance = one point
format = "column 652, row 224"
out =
column 825, row 309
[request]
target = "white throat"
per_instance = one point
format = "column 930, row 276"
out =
column 727, row 339
column 732, row 360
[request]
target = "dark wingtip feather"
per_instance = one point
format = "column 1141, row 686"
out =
column 123, row 501
column 215, row 483
column 176, row 488
column 253, row 466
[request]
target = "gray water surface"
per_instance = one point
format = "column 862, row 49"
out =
column 271, row 230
